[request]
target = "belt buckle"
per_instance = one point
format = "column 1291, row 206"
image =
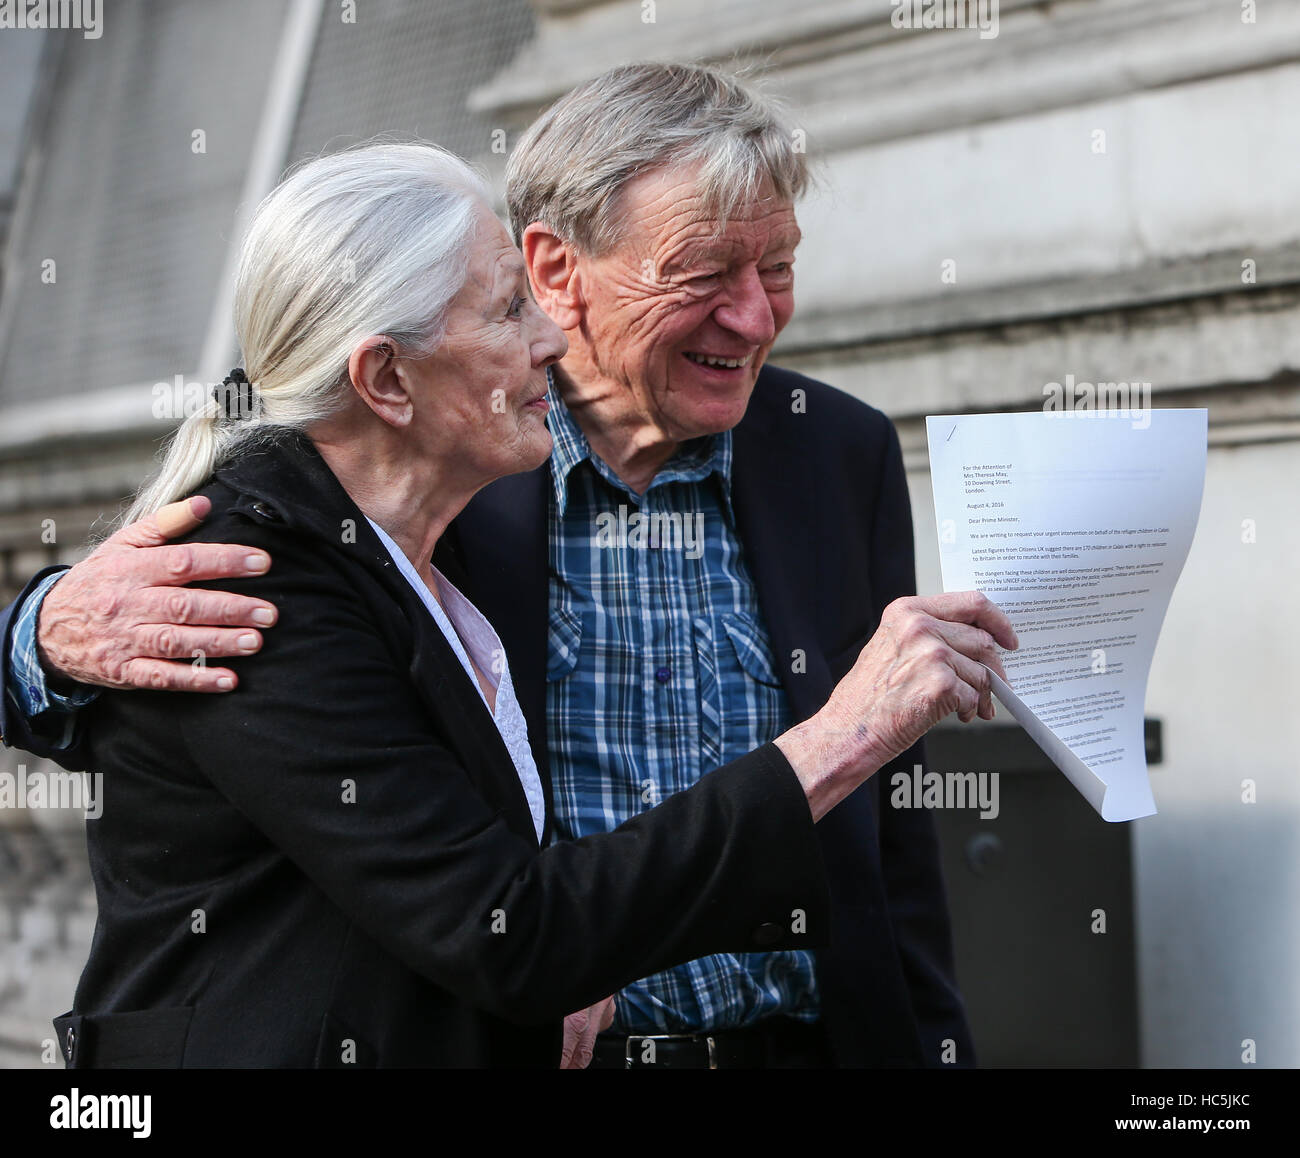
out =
column 640, row 1037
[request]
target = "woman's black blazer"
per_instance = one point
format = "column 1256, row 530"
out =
column 335, row 865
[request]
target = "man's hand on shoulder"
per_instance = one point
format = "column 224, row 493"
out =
column 123, row 618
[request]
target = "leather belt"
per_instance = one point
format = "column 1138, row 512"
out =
column 768, row 1044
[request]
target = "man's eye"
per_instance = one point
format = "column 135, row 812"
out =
column 516, row 306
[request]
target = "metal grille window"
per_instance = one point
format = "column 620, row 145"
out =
column 135, row 219
column 407, row 67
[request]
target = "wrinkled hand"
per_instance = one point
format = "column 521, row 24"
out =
column 926, row 661
column 580, row 1030
column 122, row 617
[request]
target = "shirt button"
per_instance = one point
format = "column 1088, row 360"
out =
column 664, row 674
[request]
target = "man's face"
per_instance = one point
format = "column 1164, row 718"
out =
column 680, row 318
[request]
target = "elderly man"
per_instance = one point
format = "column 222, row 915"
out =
column 707, row 551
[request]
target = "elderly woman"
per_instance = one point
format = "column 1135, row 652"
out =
column 343, row 862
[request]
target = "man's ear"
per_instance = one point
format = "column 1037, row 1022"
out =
column 553, row 272
column 378, row 381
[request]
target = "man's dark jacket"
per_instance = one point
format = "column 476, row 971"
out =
column 821, row 500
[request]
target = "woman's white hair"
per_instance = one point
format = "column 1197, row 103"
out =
column 366, row 241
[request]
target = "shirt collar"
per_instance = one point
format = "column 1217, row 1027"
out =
column 694, row 461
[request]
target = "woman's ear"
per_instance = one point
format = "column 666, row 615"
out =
column 553, row 273
column 373, row 369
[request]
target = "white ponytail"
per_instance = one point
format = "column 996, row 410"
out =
column 367, row 241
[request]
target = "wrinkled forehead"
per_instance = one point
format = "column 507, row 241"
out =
column 670, row 209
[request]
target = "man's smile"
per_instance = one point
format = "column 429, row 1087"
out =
column 719, row 362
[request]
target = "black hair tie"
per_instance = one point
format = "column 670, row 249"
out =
column 235, row 396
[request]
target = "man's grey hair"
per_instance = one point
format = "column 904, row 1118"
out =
column 571, row 165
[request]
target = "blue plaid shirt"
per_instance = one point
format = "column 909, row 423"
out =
column 659, row 669
column 27, row 686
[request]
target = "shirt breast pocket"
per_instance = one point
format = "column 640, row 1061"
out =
column 563, row 642
column 753, row 650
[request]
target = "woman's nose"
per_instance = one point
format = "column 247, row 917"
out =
column 549, row 343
